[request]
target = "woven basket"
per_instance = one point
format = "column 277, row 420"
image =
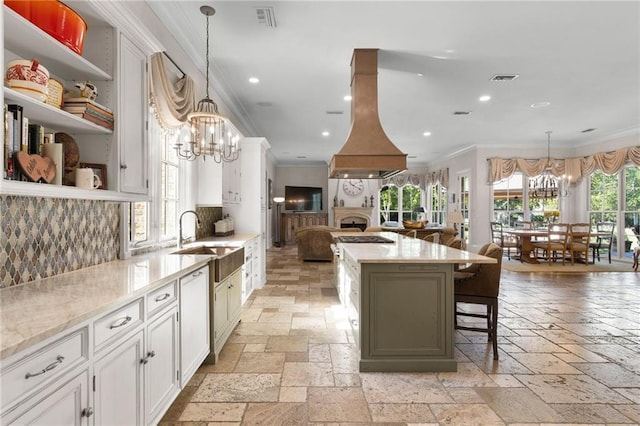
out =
column 414, row 224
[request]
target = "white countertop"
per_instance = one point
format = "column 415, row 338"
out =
column 35, row 311
column 406, row 250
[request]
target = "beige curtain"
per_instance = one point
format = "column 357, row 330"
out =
column 576, row 168
column 438, row 176
column 403, row 179
column 171, row 102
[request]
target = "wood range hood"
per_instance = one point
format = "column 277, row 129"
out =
column 368, row 152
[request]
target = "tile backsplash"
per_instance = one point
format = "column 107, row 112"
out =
column 208, row 217
column 42, row 237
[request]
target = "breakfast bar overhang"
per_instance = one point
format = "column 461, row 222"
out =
column 399, row 299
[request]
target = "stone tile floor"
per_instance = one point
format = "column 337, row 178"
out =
column 569, row 354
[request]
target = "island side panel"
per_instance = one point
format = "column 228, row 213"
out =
column 406, row 317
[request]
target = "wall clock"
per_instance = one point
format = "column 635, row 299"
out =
column 353, row 187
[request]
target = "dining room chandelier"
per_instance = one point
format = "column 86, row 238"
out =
column 211, row 133
column 547, row 185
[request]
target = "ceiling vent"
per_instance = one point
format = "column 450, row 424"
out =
column 461, row 112
column 266, row 16
column 335, row 112
column 588, row 130
column 504, row 77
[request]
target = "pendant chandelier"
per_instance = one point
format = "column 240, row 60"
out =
column 548, row 185
column 211, row 134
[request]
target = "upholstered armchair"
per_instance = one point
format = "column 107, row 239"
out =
column 479, row 283
column 314, row 242
column 448, row 233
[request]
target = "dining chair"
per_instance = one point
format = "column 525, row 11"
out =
column 432, row 238
column 479, row 284
column 410, row 233
column 579, row 236
column 603, row 241
column 504, row 241
column 556, row 242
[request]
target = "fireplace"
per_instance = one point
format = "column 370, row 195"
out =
column 352, row 217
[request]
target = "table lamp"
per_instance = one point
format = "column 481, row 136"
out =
column 455, row 217
column 278, row 201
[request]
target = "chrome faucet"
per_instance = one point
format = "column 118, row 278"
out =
column 181, row 241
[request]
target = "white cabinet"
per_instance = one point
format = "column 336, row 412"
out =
column 96, row 143
column 210, row 178
column 194, row 322
column 227, row 304
column 253, row 271
column 231, row 181
column 161, row 365
column 132, row 117
column 65, row 405
column 118, row 384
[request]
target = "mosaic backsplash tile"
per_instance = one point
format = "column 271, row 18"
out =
column 43, row 237
column 208, row 217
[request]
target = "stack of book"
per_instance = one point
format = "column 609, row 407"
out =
column 90, row 111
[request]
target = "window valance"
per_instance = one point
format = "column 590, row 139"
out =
column 171, row 102
column 403, row 179
column 608, row 162
column 437, row 177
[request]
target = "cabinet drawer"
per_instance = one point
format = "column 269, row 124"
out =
column 158, row 299
column 116, row 324
column 42, row 366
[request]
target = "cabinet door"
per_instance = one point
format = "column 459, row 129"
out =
column 220, row 310
column 235, row 295
column 194, row 322
column 65, row 405
column 132, row 118
column 162, row 384
column 118, row 384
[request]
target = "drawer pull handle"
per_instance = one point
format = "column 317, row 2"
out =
column 49, row 367
column 123, row 321
column 197, row 274
column 87, row 412
column 354, row 323
column 163, row 297
column 149, row 355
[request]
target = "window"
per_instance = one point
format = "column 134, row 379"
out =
column 616, row 198
column 155, row 221
column 399, row 203
column 438, row 203
column 508, row 200
column 465, row 204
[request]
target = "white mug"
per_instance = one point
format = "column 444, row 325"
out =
column 85, row 178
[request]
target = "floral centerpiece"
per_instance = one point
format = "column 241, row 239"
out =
column 551, row 216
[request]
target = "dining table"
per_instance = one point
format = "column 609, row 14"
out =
column 527, row 237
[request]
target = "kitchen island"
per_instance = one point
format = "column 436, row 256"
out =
column 399, row 299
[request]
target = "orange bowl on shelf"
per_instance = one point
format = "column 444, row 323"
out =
column 56, row 19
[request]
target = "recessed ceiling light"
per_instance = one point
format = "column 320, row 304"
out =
column 484, row 98
column 325, row 133
column 426, row 134
column 347, row 98
column 254, row 80
column 420, row 75
column 540, row 104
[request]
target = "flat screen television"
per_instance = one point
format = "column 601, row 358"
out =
column 303, row 198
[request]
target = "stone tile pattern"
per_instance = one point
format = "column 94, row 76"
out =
column 568, row 344
column 42, row 237
column 208, row 217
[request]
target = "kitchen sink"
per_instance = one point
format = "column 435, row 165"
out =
column 227, row 258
